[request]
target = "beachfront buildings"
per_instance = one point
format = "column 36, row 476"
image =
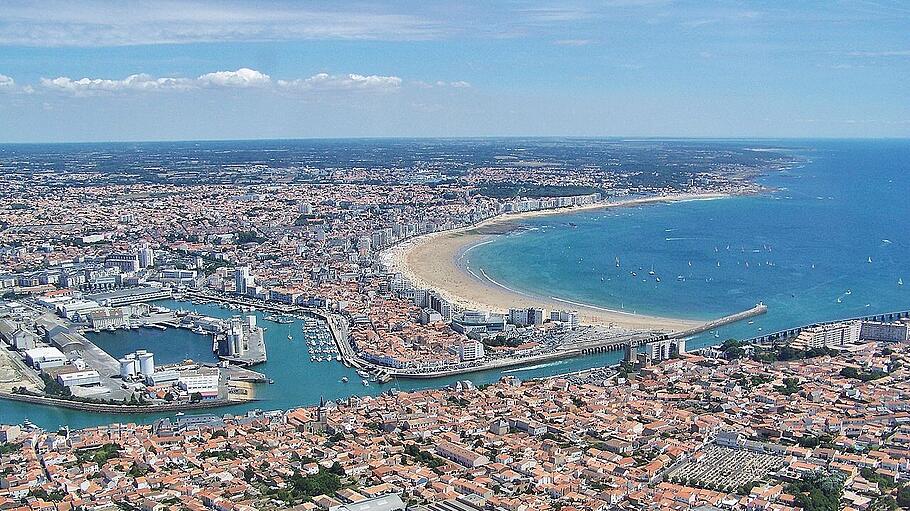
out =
column 832, row 335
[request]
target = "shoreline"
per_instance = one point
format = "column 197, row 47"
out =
column 435, row 261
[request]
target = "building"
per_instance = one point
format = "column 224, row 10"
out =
column 568, row 318
column 143, row 294
column 203, row 381
column 428, row 316
column 146, row 257
column 526, row 317
column 72, row 376
column 460, row 454
column 390, row 502
column 242, row 280
column 889, row 332
column 126, row 262
column 471, row 350
column 106, row 318
column 476, row 322
column 45, row 357
column 16, row 336
column 833, row 335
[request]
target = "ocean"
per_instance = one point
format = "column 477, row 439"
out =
column 803, row 248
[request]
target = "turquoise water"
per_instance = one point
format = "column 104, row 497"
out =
column 832, row 213
column 803, row 249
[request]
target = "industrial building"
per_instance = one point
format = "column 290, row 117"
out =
column 140, row 363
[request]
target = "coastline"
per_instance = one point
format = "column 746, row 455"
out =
column 434, row 261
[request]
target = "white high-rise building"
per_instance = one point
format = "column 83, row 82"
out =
column 471, row 350
column 241, row 279
column 146, row 257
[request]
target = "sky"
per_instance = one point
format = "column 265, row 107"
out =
column 90, row 70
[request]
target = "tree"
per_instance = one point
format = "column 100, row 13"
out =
column 903, row 496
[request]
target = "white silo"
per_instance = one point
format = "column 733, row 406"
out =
column 146, row 362
column 128, row 366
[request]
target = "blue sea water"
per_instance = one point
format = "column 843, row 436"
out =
column 807, row 243
column 803, row 249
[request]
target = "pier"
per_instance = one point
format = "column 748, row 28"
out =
column 594, row 346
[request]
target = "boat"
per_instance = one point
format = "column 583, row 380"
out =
column 634, row 274
column 179, row 414
column 617, row 261
column 344, row 379
column 900, row 282
column 362, row 373
column 657, row 279
column 271, row 381
column 750, row 322
column 290, row 338
column 365, row 383
column 869, row 260
column 839, row 300
column 284, row 320
column 848, row 292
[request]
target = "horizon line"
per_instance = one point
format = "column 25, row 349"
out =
column 620, row 138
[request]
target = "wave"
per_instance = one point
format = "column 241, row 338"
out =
column 589, row 306
column 531, row 368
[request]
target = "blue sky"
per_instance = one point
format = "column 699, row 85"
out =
column 163, row 70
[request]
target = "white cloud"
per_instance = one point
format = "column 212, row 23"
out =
column 887, row 53
column 243, row 77
column 6, row 83
column 133, row 22
column 573, row 42
column 327, row 82
column 137, row 82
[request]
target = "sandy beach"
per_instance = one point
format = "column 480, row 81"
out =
column 432, row 261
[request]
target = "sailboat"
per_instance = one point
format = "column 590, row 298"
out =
column 900, row 282
column 617, row 261
column 869, row 260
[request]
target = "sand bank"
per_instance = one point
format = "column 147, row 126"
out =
column 434, row 261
